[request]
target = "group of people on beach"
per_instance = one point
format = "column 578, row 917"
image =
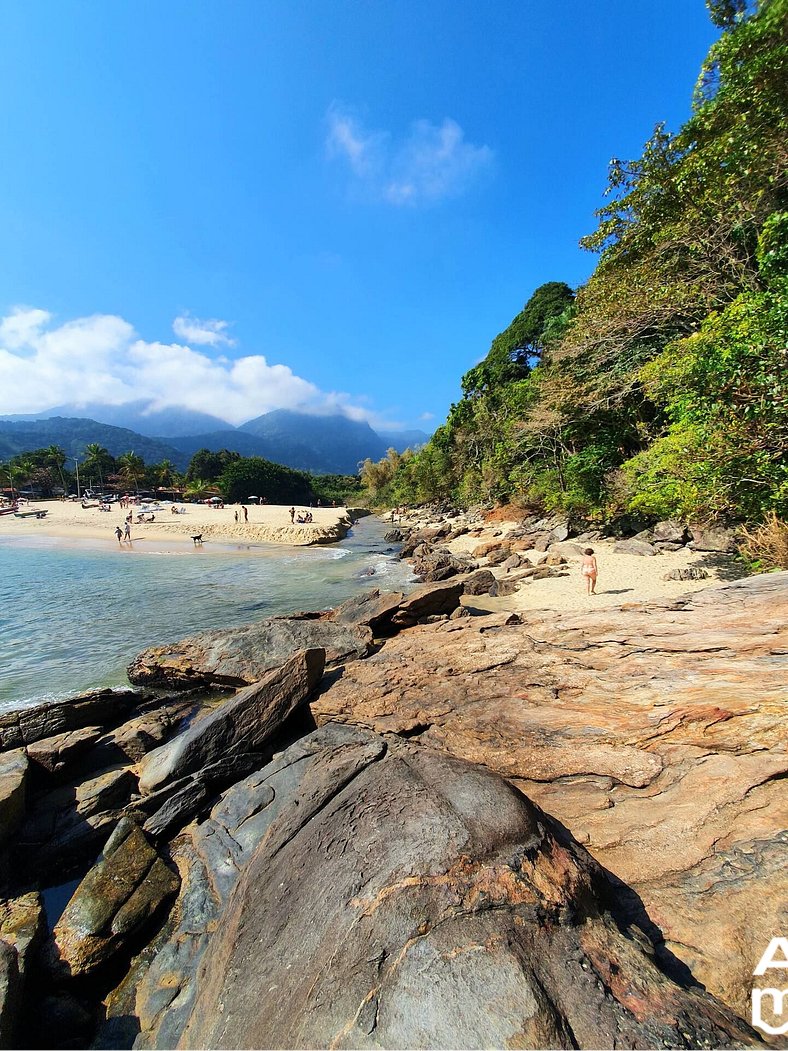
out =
column 124, row 534
column 303, row 517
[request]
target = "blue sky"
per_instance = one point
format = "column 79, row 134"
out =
column 248, row 204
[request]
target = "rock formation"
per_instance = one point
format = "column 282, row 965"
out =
column 491, row 930
column 655, row 733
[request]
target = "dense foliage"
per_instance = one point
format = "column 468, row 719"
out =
column 46, row 473
column 660, row 388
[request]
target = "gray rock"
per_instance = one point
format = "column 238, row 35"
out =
column 13, row 777
column 671, row 530
column 499, row 555
column 566, row 549
column 240, row 656
column 689, row 573
column 512, row 562
column 314, row 912
column 242, row 724
column 712, row 538
column 394, row 536
column 112, row 904
column 171, row 807
column 633, row 547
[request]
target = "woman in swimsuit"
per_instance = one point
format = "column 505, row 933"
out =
column 589, row 570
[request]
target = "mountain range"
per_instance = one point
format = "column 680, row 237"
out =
column 321, row 444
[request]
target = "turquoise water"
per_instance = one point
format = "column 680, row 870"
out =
column 72, row 615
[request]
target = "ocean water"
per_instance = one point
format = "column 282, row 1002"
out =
column 73, row 614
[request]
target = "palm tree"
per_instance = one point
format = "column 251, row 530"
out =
column 131, row 469
column 96, row 458
column 56, row 457
column 23, row 468
column 197, row 488
column 166, row 475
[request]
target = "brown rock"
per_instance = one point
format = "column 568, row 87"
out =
column 60, row 753
column 23, row 726
column 13, row 777
column 373, row 609
column 479, row 583
column 428, row 599
column 655, row 733
column 314, row 912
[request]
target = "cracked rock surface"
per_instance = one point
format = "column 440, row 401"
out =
column 369, row 892
column 655, row 733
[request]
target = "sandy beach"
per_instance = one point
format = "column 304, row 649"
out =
column 623, row 578
column 269, row 524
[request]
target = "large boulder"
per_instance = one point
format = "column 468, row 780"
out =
column 245, row 723
column 240, row 656
column 314, row 912
column 479, row 583
column 440, row 565
column 634, row 547
column 431, row 599
column 655, row 732
column 712, row 538
column 671, row 531
column 112, row 904
column 372, row 609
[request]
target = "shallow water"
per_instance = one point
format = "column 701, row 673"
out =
column 73, row 614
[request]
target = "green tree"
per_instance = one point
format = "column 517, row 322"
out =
column 210, row 465
column 253, row 476
column 131, row 469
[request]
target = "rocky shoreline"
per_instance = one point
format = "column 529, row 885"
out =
column 409, row 821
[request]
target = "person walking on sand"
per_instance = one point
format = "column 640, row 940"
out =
column 589, row 570
column 127, row 530
column 236, row 516
column 292, row 516
column 246, row 513
column 119, row 534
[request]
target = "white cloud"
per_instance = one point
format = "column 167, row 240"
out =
column 432, row 163
column 101, row 359
column 209, row 333
column 426, row 416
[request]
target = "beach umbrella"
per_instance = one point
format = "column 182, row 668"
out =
column 253, row 498
column 216, row 499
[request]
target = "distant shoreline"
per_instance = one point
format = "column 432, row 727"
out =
column 267, row 524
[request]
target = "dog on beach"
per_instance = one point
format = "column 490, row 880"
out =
column 197, row 539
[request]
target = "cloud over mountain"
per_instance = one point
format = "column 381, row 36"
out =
column 102, row 359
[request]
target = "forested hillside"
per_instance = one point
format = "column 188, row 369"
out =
column 659, row 388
